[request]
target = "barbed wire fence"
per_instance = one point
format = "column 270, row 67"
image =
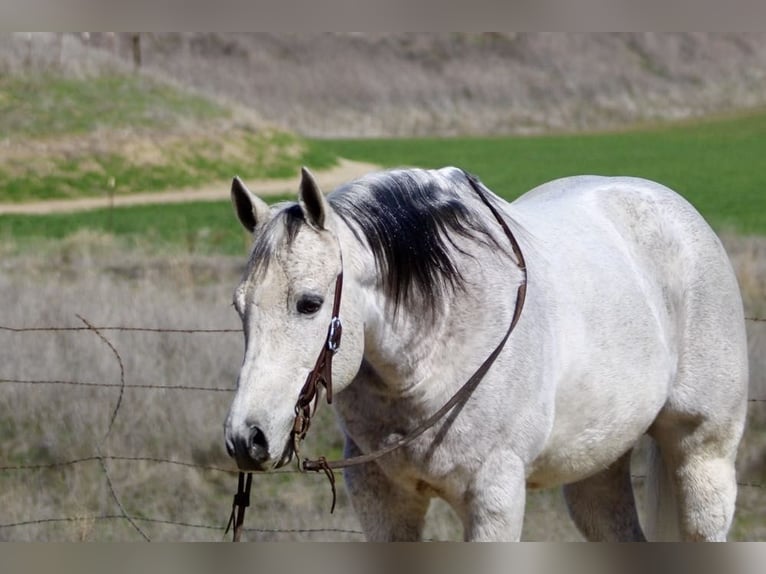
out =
column 100, row 457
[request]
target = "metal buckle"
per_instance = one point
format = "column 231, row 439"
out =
column 333, row 334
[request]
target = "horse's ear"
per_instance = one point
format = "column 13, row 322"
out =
column 250, row 208
column 312, row 199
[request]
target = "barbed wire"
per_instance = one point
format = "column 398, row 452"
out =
column 56, row 329
column 115, row 411
column 206, row 467
column 114, row 385
column 157, row 330
column 219, row 528
column 150, row 386
column 118, row 458
column 101, row 458
column 147, row 386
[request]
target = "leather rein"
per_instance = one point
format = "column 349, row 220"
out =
column 321, row 376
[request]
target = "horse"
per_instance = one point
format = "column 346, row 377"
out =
column 632, row 326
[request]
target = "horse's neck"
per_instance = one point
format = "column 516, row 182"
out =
column 407, row 348
column 402, row 349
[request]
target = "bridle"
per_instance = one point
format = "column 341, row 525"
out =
column 321, row 376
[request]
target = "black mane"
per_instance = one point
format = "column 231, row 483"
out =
column 410, row 219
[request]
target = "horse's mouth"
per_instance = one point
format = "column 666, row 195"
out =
column 247, row 464
column 287, row 455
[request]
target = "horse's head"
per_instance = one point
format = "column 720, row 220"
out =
column 285, row 301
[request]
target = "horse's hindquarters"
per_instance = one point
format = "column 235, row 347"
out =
column 661, row 348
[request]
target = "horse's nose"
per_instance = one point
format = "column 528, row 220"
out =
column 249, row 449
column 258, row 446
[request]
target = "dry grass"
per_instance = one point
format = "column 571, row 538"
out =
column 351, row 85
column 748, row 256
column 90, row 275
column 46, row 423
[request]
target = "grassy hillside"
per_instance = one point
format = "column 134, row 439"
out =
column 64, row 137
column 453, row 83
column 43, row 105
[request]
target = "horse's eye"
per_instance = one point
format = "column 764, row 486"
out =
column 309, row 304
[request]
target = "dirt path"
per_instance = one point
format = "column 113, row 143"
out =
column 329, row 179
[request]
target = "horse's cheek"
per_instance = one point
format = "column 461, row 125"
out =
column 349, row 358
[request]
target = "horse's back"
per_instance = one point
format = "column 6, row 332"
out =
column 640, row 223
column 677, row 259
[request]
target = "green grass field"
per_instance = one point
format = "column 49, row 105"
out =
column 197, row 227
column 717, row 165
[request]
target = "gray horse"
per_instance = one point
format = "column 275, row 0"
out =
column 632, row 326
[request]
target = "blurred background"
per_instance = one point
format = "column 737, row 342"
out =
column 119, row 251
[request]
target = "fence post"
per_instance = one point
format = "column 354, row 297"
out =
column 136, row 41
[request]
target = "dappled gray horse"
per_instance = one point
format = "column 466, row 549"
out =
column 632, row 326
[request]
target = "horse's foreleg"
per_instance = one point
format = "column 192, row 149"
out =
column 386, row 512
column 495, row 500
column 603, row 507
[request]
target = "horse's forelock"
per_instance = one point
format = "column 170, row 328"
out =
column 279, row 231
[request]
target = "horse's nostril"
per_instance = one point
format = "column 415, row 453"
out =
column 258, row 445
column 249, row 448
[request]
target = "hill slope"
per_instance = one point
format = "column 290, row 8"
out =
column 69, row 133
column 352, row 85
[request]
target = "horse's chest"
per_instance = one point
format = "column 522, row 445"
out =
column 431, row 465
column 439, row 462
column 415, row 470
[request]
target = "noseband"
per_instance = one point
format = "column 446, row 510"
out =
column 321, row 375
